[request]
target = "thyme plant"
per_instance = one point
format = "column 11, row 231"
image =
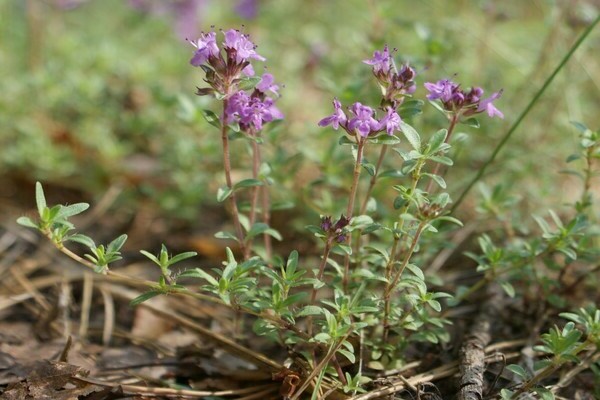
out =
column 365, row 302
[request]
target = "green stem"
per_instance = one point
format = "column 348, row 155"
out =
column 526, row 111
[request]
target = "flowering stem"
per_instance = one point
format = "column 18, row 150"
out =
column 255, row 189
column 373, row 181
column 227, row 167
column 266, row 216
column 438, row 166
column 313, row 295
column 392, row 285
column 349, row 211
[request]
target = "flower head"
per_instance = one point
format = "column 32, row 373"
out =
column 381, row 61
column 460, row 102
column 363, row 122
column 390, row 122
column 206, row 47
column 442, row 89
column 267, row 84
column 240, row 47
column 488, row 106
column 338, row 117
column 251, row 111
column 335, row 231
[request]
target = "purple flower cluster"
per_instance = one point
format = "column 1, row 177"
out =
column 394, row 84
column 460, row 102
column 252, row 111
column 362, row 120
column 335, row 231
column 224, row 71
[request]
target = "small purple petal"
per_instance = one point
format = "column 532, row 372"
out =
column 338, row 117
column 488, row 106
column 442, row 89
column 381, row 60
column 391, row 121
column 206, row 46
column 267, row 83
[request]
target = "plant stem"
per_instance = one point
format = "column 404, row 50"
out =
column 392, row 285
column 313, row 295
column 350, row 209
column 227, row 167
column 255, row 190
column 453, row 121
column 416, row 177
column 526, row 111
column 373, row 180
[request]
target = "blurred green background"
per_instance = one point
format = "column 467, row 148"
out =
column 99, row 94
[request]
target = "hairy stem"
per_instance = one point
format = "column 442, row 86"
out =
column 255, row 191
column 227, row 167
column 350, row 209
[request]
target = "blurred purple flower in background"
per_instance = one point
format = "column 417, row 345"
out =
column 247, row 9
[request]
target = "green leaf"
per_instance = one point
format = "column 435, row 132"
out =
column 518, row 370
column 579, row 126
column 248, row 83
column 116, row 244
column 143, row 297
column 182, row 256
column 211, row 118
column 508, row 288
column 437, row 179
column 384, row 138
column 83, row 239
column 199, row 274
column 370, row 168
column 437, row 139
column 40, row 199
column 391, row 173
column 544, row 393
column 247, row 183
column 411, row 135
column 73, row 209
column 28, row 222
column 442, row 160
column 350, row 356
column 152, row 257
column 309, row 310
column 223, row 193
column 226, row 235
column 472, row 122
column 260, row 228
column 344, row 140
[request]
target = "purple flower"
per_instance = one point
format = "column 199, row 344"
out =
column 326, row 223
column 488, row 106
column 248, row 70
column 243, row 47
column 247, row 9
column 267, row 83
column 206, row 47
column 338, row 117
column 363, row 122
column 442, row 89
column 251, row 111
column 381, row 60
column 237, row 102
column 391, row 121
